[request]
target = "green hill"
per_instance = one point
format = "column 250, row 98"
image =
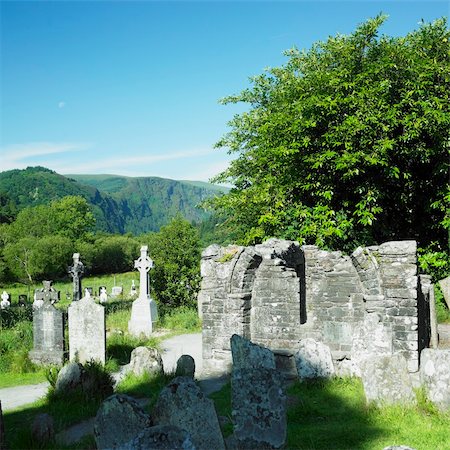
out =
column 121, row 204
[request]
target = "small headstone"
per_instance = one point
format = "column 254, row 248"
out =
column 386, row 380
column 42, row 429
column 46, row 294
column 246, row 354
column 144, row 311
column 435, row 376
column 116, row 291
column 161, row 437
column 145, row 360
column 119, row 420
column 258, row 408
column 23, row 300
column 48, row 335
column 70, row 377
column 90, row 290
column 313, row 360
column 76, row 271
column 133, row 289
column 87, row 336
column 444, row 284
column 5, row 303
column 185, row 366
column 103, row 295
column 182, row 404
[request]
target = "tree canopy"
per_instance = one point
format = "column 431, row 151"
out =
column 345, row 144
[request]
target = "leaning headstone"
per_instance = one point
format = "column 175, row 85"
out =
column 76, row 271
column 161, row 437
column 313, row 360
column 444, row 284
column 48, row 335
column 145, row 360
column 5, row 303
column 182, row 404
column 246, row 354
column 119, row 420
column 42, row 429
column 386, row 380
column 258, row 408
column 2, row 430
column 185, row 366
column 46, row 294
column 87, row 336
column 143, row 311
column 435, row 376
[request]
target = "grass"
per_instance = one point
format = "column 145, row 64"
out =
column 334, row 415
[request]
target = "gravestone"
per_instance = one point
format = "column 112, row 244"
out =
column 76, row 271
column 116, row 291
column 445, row 288
column 87, row 337
column 48, row 332
column 144, row 311
column 133, row 290
column 103, row 295
column 91, row 291
column 5, row 303
column 47, row 294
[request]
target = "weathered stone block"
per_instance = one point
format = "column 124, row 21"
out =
column 313, row 360
column 258, row 408
column 435, row 376
column 182, row 404
column 386, row 380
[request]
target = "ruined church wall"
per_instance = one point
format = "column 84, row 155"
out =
column 278, row 293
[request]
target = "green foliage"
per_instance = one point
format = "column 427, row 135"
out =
column 15, row 343
column 175, row 250
column 345, row 144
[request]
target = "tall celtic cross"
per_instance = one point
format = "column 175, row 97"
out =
column 76, row 271
column 47, row 293
column 143, row 264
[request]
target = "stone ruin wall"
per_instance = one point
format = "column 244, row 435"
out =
column 278, row 293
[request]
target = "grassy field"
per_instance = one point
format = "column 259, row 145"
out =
column 334, row 415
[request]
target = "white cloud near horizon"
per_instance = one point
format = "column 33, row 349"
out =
column 19, row 156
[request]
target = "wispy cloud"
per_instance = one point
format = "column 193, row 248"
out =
column 18, row 156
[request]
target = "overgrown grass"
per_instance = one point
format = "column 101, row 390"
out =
column 182, row 319
column 334, row 415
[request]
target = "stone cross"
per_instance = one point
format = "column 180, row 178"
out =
column 5, row 303
column 143, row 264
column 76, row 271
column 47, row 293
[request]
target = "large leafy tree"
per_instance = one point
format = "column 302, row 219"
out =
column 175, row 249
column 346, row 143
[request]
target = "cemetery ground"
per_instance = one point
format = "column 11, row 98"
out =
column 17, row 340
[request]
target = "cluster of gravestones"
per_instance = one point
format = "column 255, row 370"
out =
column 86, row 318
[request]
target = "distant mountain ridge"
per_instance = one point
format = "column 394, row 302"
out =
column 120, row 204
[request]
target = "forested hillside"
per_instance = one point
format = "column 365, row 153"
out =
column 120, row 204
column 146, row 203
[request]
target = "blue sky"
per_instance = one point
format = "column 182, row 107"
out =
column 132, row 88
